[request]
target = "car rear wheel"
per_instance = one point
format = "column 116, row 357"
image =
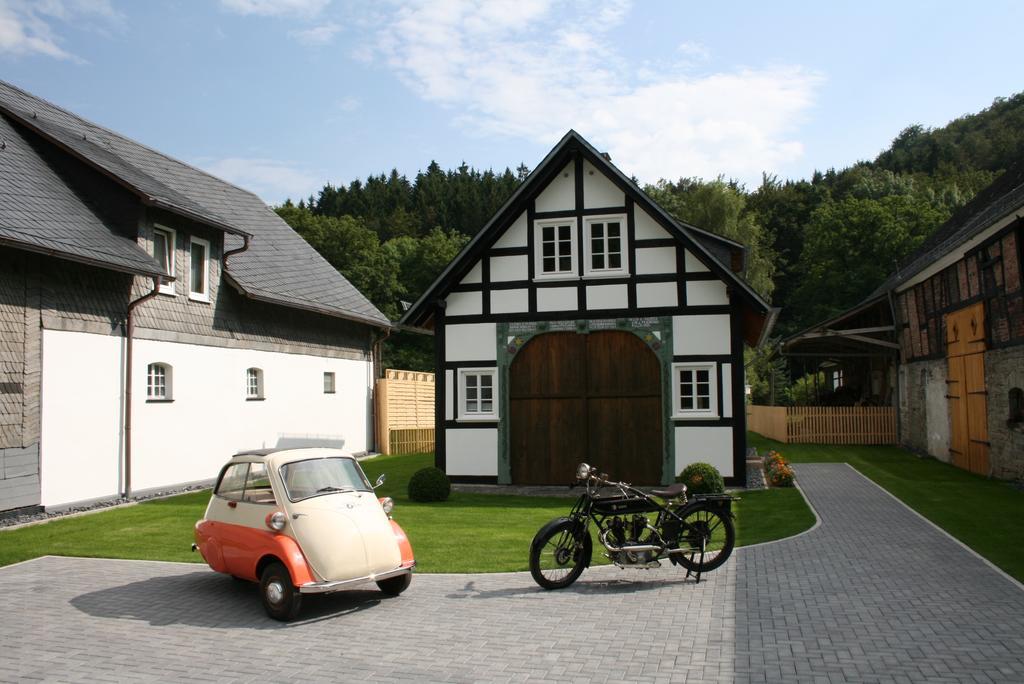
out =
column 280, row 598
column 393, row 586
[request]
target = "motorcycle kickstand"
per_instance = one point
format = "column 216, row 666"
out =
column 695, row 574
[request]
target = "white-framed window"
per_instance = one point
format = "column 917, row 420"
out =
column 695, row 390
column 199, row 269
column 163, row 252
column 328, row 382
column 837, row 379
column 254, row 383
column 555, row 248
column 605, row 251
column 478, row 394
column 159, row 382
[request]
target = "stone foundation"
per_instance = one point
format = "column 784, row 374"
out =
column 923, row 408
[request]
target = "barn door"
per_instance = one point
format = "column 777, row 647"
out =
column 593, row 398
column 967, row 393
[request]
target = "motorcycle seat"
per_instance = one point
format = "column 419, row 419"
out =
column 670, row 492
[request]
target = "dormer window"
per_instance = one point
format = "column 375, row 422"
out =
column 606, row 246
column 199, row 270
column 556, row 248
column 163, row 252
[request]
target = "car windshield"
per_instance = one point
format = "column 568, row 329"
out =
column 319, row 476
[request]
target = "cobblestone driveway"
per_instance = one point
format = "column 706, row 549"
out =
column 872, row 594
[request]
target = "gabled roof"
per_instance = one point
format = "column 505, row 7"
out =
column 40, row 212
column 420, row 312
column 1004, row 196
column 279, row 267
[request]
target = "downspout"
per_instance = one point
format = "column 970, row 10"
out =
column 130, row 333
column 899, row 359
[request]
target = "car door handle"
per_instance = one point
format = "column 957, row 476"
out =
column 232, row 504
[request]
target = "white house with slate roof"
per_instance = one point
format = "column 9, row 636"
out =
column 155, row 319
column 583, row 323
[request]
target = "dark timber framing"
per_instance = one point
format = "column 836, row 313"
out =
column 747, row 312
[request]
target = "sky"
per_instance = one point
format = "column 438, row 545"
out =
column 283, row 96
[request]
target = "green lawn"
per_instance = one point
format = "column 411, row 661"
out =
column 467, row 533
column 987, row 515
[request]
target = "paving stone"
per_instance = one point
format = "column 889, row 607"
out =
column 873, row 594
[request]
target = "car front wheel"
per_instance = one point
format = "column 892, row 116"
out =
column 280, row 598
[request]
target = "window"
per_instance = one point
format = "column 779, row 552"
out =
column 322, row 476
column 199, row 270
column 555, row 250
column 257, row 485
column 232, row 482
column 837, row 379
column 163, row 252
column 605, row 246
column 158, row 382
column 1016, row 402
column 253, row 383
column 328, row 383
column 478, row 394
column 696, row 390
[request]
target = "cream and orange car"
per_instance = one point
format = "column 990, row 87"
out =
column 302, row 521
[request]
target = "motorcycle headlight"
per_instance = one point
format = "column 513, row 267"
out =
column 277, row 520
column 387, row 504
column 582, row 471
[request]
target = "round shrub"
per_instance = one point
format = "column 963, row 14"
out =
column 702, row 478
column 429, row 484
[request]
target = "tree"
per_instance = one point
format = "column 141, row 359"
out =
column 720, row 207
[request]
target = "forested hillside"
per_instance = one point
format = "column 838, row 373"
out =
column 816, row 246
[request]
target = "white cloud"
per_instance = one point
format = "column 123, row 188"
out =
column 318, row 35
column 273, row 180
column 512, row 68
column 26, row 27
column 271, row 8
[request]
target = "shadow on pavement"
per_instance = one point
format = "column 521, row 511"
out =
column 581, row 587
column 205, row 599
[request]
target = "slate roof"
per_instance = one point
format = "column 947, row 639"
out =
column 1004, row 195
column 279, row 267
column 41, row 213
column 696, row 238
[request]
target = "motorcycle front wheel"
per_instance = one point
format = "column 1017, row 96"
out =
column 709, row 537
column 557, row 557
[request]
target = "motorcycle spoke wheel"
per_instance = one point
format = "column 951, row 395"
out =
column 556, row 560
column 708, row 538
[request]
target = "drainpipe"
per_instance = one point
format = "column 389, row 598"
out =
column 130, row 332
column 378, row 372
column 232, row 252
column 899, row 359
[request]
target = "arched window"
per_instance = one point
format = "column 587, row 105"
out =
column 254, row 383
column 159, row 382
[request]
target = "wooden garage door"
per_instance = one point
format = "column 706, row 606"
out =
column 593, row 398
column 966, row 391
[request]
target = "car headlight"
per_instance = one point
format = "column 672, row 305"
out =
column 582, row 471
column 277, row 520
column 387, row 504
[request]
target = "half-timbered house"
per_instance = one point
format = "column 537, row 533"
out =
column 584, row 323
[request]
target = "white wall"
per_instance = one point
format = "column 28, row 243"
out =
column 560, row 193
column 655, row 260
column 208, row 420
column 514, row 235
column 700, row 334
column 704, row 444
column 646, row 227
column 598, row 190
column 510, row 301
column 607, row 297
column 80, row 436
column 557, row 299
column 657, row 294
column 471, row 451
column 706, row 293
column 510, row 268
column 464, row 303
column 470, row 342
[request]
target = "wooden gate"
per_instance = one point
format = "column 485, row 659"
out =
column 966, row 391
column 593, row 398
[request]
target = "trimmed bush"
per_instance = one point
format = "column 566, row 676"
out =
column 429, row 484
column 702, row 478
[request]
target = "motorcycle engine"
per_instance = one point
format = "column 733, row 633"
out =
column 632, row 531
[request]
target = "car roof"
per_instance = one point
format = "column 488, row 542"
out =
column 288, row 454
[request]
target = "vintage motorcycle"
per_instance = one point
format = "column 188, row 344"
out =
column 696, row 533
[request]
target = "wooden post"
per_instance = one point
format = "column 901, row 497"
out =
column 383, row 417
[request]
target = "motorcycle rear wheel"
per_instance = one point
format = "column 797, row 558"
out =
column 556, row 558
column 708, row 530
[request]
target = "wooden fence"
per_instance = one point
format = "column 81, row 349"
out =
column 824, row 424
column 405, row 412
